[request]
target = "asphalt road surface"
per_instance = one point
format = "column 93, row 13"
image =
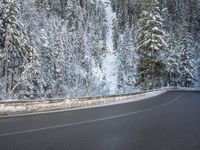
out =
column 170, row 121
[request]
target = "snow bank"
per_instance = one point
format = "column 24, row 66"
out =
column 14, row 108
column 9, row 108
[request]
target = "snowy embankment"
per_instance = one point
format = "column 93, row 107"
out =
column 13, row 108
column 110, row 61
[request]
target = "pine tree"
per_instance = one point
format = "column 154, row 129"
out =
column 127, row 61
column 58, row 60
column 29, row 84
column 47, row 63
column 173, row 72
column 17, row 53
column 116, row 35
column 186, row 66
column 150, row 45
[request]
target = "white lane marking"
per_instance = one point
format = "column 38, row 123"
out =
column 90, row 121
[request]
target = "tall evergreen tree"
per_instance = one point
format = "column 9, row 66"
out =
column 150, row 45
column 127, row 62
column 173, row 72
column 186, row 65
column 17, row 53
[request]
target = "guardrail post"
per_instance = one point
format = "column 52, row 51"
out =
column 86, row 87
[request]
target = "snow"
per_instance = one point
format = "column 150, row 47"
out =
column 110, row 62
column 97, row 71
column 9, row 108
column 12, row 108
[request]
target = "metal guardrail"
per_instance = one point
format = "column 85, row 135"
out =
column 57, row 99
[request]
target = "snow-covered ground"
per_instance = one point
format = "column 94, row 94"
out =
column 110, row 61
column 9, row 108
column 14, row 108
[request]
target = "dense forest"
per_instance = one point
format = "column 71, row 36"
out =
column 72, row 48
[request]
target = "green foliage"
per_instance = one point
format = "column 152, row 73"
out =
column 150, row 45
column 150, row 73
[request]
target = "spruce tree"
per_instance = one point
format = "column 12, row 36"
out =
column 186, row 65
column 29, row 84
column 173, row 72
column 17, row 53
column 150, row 45
column 127, row 61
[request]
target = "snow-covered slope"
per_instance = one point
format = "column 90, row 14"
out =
column 110, row 61
column 87, row 47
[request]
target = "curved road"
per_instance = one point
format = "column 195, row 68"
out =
column 170, row 121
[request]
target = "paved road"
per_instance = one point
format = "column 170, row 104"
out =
column 170, row 121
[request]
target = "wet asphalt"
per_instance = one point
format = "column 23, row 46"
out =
column 170, row 121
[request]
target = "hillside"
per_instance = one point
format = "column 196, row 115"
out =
column 73, row 48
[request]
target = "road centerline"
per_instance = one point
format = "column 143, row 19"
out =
column 93, row 120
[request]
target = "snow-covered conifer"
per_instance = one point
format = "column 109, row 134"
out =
column 173, row 73
column 127, row 62
column 150, row 45
column 186, row 63
column 17, row 51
